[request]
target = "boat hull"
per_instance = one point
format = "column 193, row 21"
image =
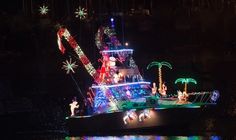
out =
column 114, row 123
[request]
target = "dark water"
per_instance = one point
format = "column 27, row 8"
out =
column 127, row 137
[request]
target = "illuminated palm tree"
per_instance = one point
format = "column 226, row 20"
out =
column 185, row 81
column 159, row 65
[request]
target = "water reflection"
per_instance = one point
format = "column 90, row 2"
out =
column 144, row 137
column 124, row 137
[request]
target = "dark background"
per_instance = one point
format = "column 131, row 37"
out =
column 197, row 37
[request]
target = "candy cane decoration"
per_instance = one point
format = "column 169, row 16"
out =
column 87, row 64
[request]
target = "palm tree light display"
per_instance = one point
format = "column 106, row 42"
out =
column 159, row 65
column 185, row 81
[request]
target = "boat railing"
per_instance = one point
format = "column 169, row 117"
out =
column 204, row 97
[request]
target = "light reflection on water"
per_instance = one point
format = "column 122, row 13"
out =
column 124, row 137
column 144, row 137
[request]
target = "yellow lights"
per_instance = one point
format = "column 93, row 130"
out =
column 117, row 77
column 161, row 89
column 182, row 96
column 113, row 106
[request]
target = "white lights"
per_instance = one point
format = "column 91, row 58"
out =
column 87, row 64
column 69, row 66
column 43, row 10
column 145, row 114
column 118, row 85
column 112, row 23
column 112, row 19
column 115, row 51
column 81, row 13
column 131, row 115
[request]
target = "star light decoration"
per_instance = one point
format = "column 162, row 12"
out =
column 69, row 66
column 43, row 10
column 81, row 13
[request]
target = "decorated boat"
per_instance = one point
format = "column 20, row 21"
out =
column 120, row 99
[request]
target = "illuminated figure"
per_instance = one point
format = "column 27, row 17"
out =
column 143, row 115
column 116, row 78
column 215, row 96
column 182, row 96
column 128, row 93
column 112, row 62
column 73, row 106
column 154, row 88
column 129, row 115
column 104, row 72
column 163, row 89
column 185, row 96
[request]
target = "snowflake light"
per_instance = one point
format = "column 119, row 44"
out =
column 81, row 13
column 69, row 66
column 43, row 10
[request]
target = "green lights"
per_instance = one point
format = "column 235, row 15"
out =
column 159, row 64
column 185, row 81
column 161, row 87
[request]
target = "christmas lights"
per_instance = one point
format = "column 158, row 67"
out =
column 161, row 88
column 87, row 64
column 43, row 10
column 110, row 33
column 144, row 114
column 81, row 13
column 185, row 81
column 116, row 51
column 118, row 85
column 69, row 66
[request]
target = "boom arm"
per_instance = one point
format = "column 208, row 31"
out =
column 63, row 32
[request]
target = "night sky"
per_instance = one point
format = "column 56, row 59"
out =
column 197, row 37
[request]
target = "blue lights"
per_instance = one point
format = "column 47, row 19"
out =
column 215, row 95
column 118, row 85
column 106, row 95
column 112, row 22
column 215, row 138
column 116, row 51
